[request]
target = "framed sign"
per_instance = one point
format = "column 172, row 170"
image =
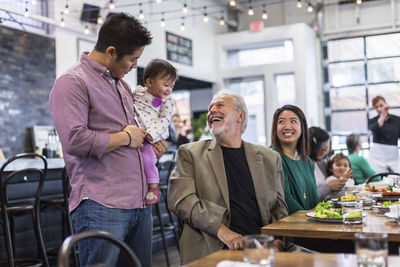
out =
column 179, row 49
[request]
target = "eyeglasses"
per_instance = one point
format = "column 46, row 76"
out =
column 325, row 149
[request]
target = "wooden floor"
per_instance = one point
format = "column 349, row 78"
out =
column 159, row 257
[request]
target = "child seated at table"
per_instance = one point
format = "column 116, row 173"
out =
column 339, row 167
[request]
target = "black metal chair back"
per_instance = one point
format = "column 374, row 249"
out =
column 8, row 176
column 382, row 174
column 69, row 242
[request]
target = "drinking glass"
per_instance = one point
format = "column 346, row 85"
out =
column 353, row 215
column 259, row 249
column 371, row 249
column 395, row 212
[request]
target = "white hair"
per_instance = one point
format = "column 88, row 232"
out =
column 240, row 105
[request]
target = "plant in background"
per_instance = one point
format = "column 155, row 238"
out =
column 199, row 127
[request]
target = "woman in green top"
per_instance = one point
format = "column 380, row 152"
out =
column 359, row 165
column 289, row 137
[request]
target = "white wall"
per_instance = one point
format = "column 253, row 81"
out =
column 304, row 67
column 202, row 36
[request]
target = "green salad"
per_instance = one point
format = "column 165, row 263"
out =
column 326, row 210
column 386, row 204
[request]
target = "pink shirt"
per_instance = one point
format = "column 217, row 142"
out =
column 86, row 105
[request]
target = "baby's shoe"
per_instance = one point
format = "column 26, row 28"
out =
column 152, row 196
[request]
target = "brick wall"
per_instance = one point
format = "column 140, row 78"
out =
column 27, row 73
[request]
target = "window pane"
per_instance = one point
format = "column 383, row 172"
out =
column 384, row 70
column 349, row 122
column 390, row 91
column 286, row 89
column 347, row 49
column 347, row 97
column 346, row 73
column 383, row 45
column 276, row 53
column 252, row 90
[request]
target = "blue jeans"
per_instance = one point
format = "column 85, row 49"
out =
column 134, row 226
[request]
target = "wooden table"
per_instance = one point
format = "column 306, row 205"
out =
column 299, row 225
column 286, row 259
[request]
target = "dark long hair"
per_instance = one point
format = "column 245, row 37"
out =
column 317, row 137
column 303, row 145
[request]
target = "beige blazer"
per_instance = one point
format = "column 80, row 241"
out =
column 198, row 193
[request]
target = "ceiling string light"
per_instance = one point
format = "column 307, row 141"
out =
column 26, row 13
column 232, row 3
column 185, row 8
column 205, row 16
column 264, row 13
column 111, row 4
column 99, row 20
column 33, row 2
column 86, row 30
column 158, row 1
column 182, row 28
column 251, row 10
column 162, row 23
column 66, row 8
column 310, row 8
column 62, row 22
column 358, row 2
column 299, row 4
column 222, row 20
column 141, row 15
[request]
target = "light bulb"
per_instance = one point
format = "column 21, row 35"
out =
column 232, row 3
column 26, row 13
column 86, row 30
column 66, row 9
column 182, row 26
column 205, row 18
column 222, row 22
column 251, row 11
column 159, row 1
column 264, row 15
column 358, row 2
column 111, row 5
column 162, row 23
column 141, row 15
column 299, row 4
column 33, row 2
column 99, row 20
column 62, row 22
column 310, row 8
column 185, row 8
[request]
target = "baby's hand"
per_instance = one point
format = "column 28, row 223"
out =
column 347, row 175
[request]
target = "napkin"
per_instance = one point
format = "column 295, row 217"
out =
column 234, row 264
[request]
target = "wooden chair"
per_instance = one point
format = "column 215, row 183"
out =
column 69, row 243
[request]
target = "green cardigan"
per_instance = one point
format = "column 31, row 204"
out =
column 299, row 182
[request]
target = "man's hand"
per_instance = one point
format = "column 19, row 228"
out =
column 160, row 148
column 231, row 239
column 137, row 135
column 336, row 184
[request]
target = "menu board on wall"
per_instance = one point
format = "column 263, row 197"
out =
column 179, row 49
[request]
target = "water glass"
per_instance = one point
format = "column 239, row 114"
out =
column 371, row 249
column 395, row 212
column 259, row 249
column 353, row 215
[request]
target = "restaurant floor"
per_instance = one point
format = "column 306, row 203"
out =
column 159, row 257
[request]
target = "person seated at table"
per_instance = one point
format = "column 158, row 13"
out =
column 339, row 168
column 359, row 165
column 224, row 188
column 289, row 136
column 319, row 148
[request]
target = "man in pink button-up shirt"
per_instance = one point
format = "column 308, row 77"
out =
column 93, row 113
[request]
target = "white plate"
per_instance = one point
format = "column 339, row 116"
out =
column 390, row 215
column 331, row 220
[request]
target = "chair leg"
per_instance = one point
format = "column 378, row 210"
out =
column 160, row 220
column 8, row 239
column 39, row 235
